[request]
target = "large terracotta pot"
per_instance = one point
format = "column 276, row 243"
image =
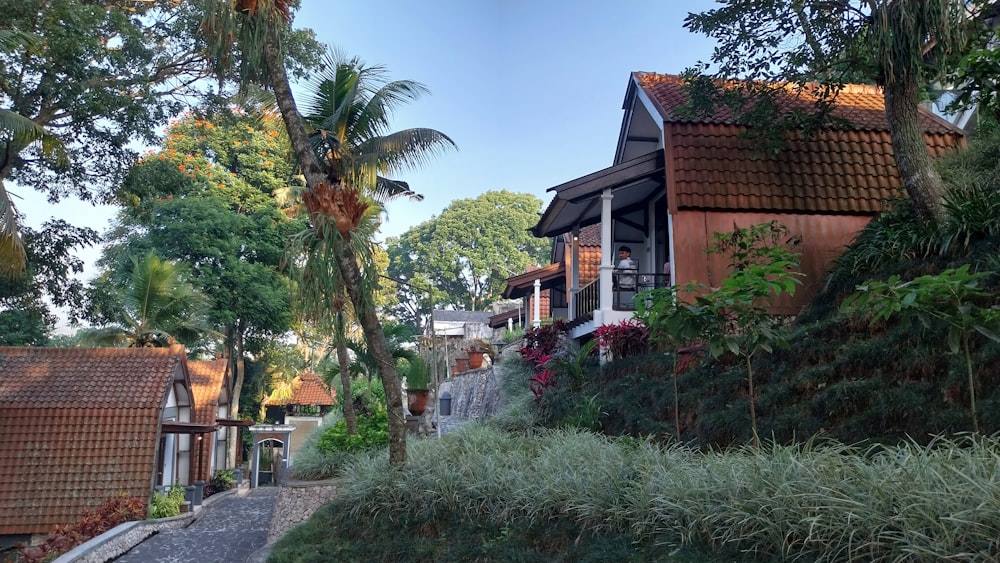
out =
column 416, row 401
column 475, row 360
column 462, row 364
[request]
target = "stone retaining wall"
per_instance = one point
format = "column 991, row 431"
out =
column 475, row 394
column 297, row 501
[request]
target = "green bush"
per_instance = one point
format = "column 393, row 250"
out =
column 373, row 432
column 167, row 505
column 223, row 480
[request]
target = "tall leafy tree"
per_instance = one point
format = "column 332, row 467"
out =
column 17, row 130
column 205, row 199
column 157, row 305
column 817, row 46
column 462, row 257
column 26, row 299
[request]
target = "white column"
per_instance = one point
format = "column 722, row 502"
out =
column 537, row 321
column 169, row 460
column 607, row 253
column 574, row 276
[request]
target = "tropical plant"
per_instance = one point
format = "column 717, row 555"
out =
column 623, row 339
column 158, row 305
column 418, row 375
column 953, row 297
column 677, row 324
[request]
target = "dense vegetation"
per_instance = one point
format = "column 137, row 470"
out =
column 584, row 464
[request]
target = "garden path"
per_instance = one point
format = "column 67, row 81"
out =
column 227, row 531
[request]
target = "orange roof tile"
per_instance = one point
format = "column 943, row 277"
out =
column 207, row 379
column 863, row 106
column 837, row 171
column 309, row 389
column 78, row 426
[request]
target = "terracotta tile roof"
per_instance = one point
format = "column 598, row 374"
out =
column 77, row 426
column 309, row 389
column 206, row 381
column 862, row 105
column 709, row 166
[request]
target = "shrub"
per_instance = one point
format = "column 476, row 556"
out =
column 373, row 433
column 116, row 510
column 221, row 481
column 168, row 504
column 624, row 339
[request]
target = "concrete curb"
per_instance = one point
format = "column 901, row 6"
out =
column 122, row 538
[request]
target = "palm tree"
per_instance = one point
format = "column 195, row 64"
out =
column 335, row 205
column 156, row 307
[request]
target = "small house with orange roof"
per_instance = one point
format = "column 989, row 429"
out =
column 675, row 180
column 310, row 399
column 81, row 425
column 211, row 385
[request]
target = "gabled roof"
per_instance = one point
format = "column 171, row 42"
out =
column 841, row 169
column 78, row 426
column 207, row 383
column 707, row 163
column 308, row 389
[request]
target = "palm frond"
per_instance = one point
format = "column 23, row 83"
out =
column 12, row 40
column 403, row 150
column 13, row 259
column 373, row 119
column 20, row 132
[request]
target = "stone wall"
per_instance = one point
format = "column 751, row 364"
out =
column 297, row 501
column 475, row 394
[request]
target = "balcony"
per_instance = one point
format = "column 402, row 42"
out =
column 625, row 286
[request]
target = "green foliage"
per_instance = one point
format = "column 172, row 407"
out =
column 454, row 256
column 25, row 301
column 418, row 376
column 206, row 198
column 165, row 505
column 157, row 304
column 575, row 496
column 373, row 434
column 223, row 480
column 951, row 297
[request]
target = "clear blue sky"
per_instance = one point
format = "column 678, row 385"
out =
column 530, row 90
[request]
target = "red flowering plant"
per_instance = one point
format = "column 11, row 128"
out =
column 626, row 338
column 116, row 510
column 540, row 346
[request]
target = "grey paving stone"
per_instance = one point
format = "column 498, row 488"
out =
column 228, row 531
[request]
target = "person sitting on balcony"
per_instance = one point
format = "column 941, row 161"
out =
column 627, row 268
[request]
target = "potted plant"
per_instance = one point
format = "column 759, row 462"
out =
column 476, row 350
column 417, row 385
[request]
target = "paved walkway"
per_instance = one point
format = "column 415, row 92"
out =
column 227, row 531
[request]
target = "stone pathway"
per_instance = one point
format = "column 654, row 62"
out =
column 227, row 531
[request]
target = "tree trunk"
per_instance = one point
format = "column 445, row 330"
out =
column 345, row 376
column 922, row 182
column 348, row 263
column 379, row 349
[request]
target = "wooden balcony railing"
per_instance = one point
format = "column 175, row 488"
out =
column 588, row 300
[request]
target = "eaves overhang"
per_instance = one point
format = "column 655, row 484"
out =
column 577, row 203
